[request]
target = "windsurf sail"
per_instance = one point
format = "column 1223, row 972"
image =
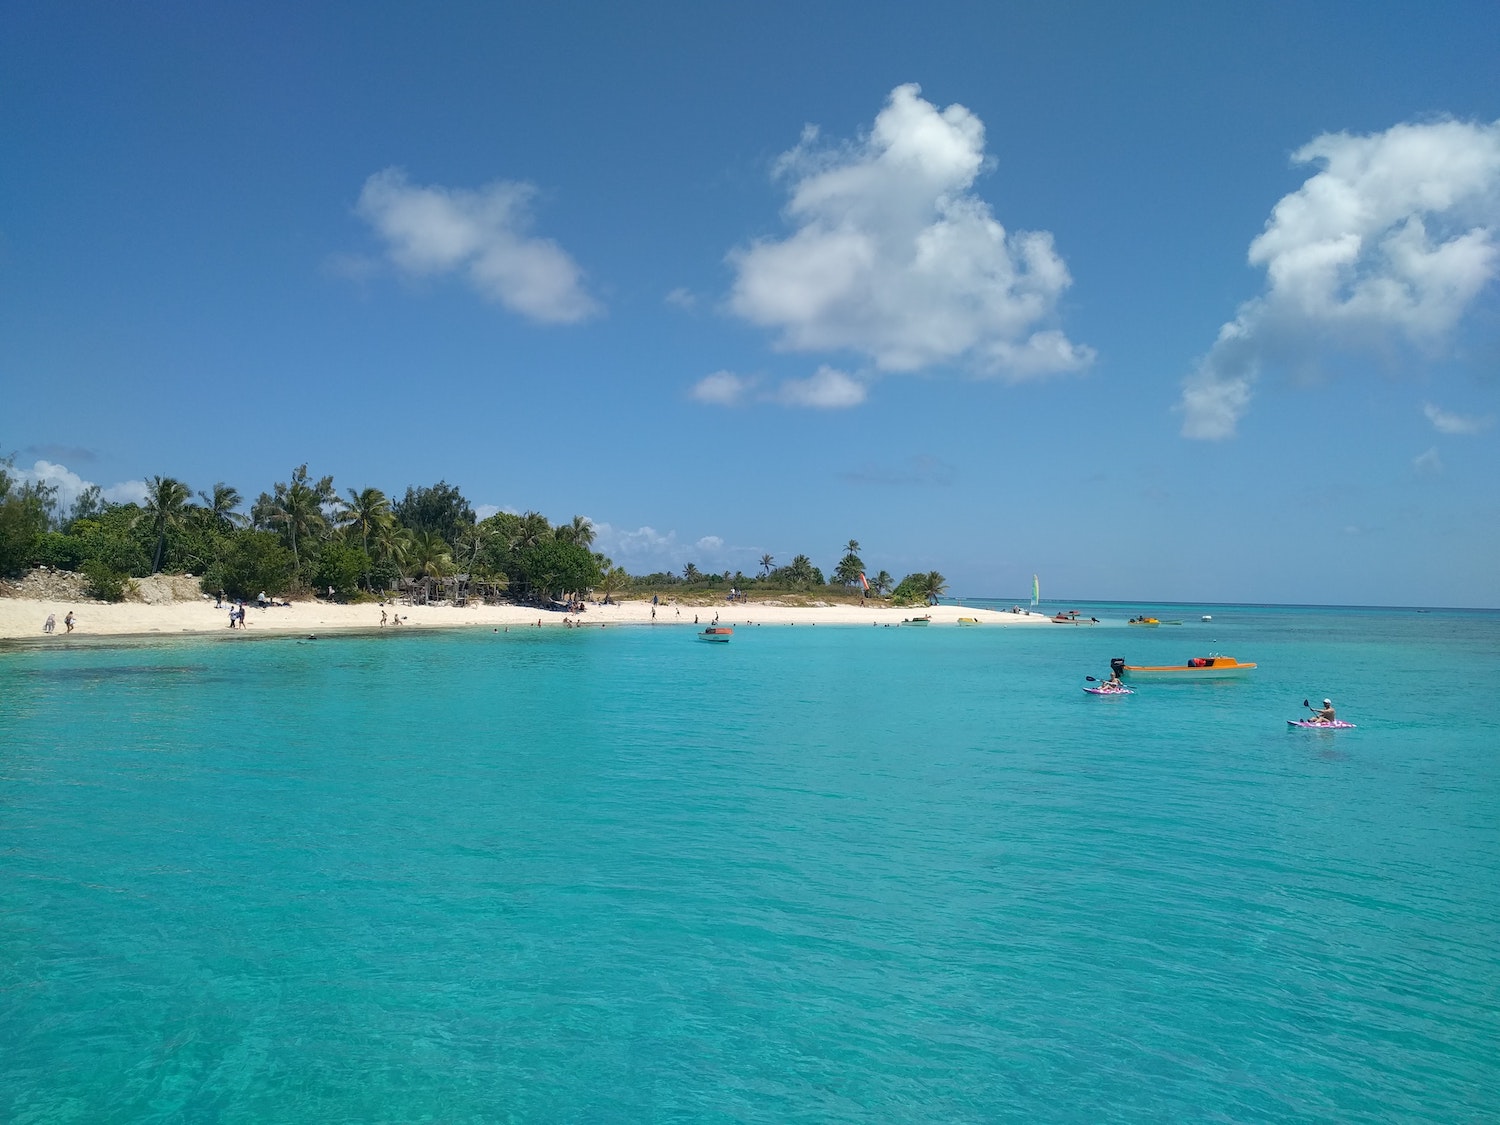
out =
column 863, row 581
column 1036, row 591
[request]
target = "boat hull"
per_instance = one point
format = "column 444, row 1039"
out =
column 1212, row 668
column 716, row 635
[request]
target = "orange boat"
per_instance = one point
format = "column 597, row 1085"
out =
column 1198, row 668
column 719, row 633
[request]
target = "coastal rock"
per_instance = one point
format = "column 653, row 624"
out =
column 47, row 585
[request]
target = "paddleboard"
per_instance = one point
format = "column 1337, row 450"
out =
column 1337, row 724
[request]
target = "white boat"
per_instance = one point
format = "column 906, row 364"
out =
column 1208, row 617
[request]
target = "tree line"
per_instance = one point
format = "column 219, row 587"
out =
column 303, row 535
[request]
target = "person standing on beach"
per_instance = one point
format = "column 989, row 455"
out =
column 51, row 625
column 382, row 617
column 68, row 621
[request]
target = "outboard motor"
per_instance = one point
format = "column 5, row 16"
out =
column 1117, row 665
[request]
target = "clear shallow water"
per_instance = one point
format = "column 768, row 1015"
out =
column 816, row 874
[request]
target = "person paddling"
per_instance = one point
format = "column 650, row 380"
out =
column 1325, row 713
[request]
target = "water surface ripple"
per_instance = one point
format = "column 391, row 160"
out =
column 816, row 874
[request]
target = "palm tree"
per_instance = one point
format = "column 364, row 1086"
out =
column 220, row 504
column 580, row 531
column 767, row 563
column 298, row 507
column 851, row 547
column 934, row 586
column 611, row 579
column 881, row 583
column 396, row 543
column 532, row 529
column 690, row 573
column 430, row 556
column 166, row 507
column 800, row 572
column 367, row 512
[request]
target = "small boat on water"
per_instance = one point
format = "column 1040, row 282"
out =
column 1148, row 622
column 719, row 634
column 1198, row 668
column 968, row 621
column 1208, row 617
column 918, row 620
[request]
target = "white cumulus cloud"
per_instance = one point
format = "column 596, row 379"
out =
column 1391, row 241
column 1447, row 423
column 70, row 485
column 895, row 257
column 485, row 235
column 826, row 389
column 722, row 388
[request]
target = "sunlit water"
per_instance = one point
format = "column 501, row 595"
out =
column 816, row 874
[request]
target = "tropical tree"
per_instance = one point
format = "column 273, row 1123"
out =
column 801, row 572
column 611, row 578
column 220, row 503
column 767, row 564
column 850, row 567
column 90, row 503
column 24, row 519
column 531, row 531
column 166, row 509
column 881, row 583
column 366, row 513
column 554, row 567
column 430, row 557
column 441, row 509
column 934, row 586
column 297, row 509
column 690, row 573
column 469, row 546
column 580, row 531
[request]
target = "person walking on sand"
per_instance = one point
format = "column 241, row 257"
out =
column 51, row 624
column 382, row 617
column 68, row 621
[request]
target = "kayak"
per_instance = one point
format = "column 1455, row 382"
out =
column 1308, row 724
column 1109, row 691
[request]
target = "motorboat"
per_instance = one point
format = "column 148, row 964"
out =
column 1072, row 617
column 918, row 620
column 1148, row 622
column 1198, row 668
column 718, row 634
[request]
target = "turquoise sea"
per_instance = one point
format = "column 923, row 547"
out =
column 816, row 874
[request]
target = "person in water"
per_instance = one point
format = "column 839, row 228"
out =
column 1325, row 713
column 1114, row 683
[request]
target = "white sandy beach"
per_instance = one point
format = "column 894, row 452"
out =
column 23, row 618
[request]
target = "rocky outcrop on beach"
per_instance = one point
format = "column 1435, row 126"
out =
column 44, row 584
column 47, row 585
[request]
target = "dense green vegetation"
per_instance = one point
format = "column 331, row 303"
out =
column 302, row 536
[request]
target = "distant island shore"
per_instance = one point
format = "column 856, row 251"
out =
column 23, row 618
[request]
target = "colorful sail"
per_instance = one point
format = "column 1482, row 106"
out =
column 1036, row 591
column 863, row 581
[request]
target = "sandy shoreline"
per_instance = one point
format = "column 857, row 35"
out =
column 21, row 619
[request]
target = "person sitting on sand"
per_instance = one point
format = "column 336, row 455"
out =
column 1325, row 713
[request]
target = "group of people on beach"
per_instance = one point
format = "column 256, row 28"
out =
column 50, row 625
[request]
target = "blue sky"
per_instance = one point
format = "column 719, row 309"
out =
column 1191, row 302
